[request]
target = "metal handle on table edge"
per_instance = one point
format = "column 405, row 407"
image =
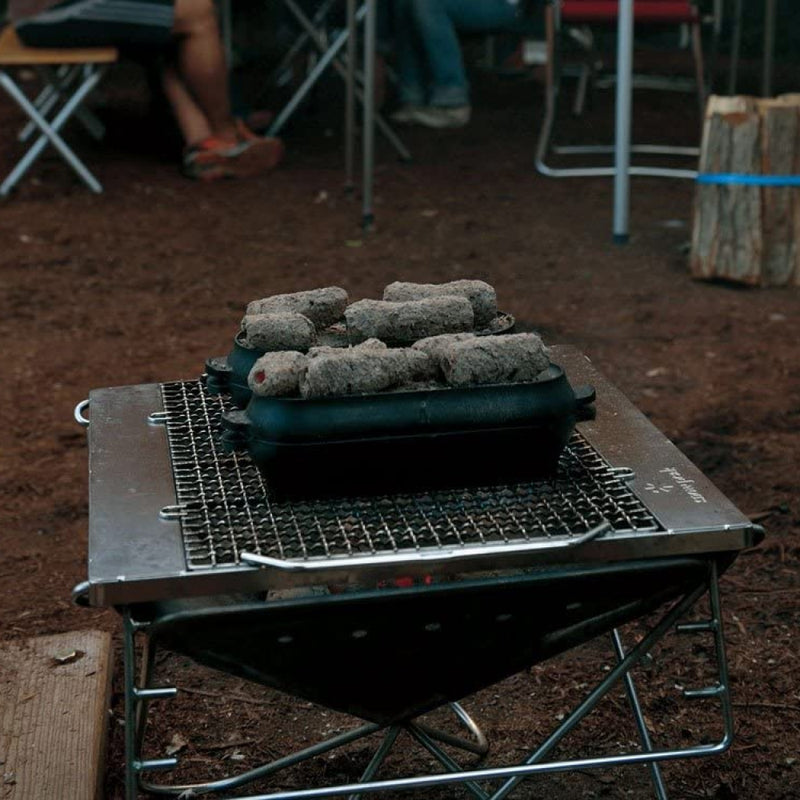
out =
column 79, row 418
column 442, row 555
column 80, row 594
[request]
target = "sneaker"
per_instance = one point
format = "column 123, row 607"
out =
column 405, row 115
column 213, row 159
column 443, row 116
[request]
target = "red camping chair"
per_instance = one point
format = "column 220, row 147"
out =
column 578, row 17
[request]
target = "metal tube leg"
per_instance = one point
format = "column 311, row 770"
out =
column 379, row 757
column 736, row 46
column 328, row 54
column 448, row 763
column 368, row 104
column 552, row 80
column 622, row 160
column 350, row 100
column 480, row 747
column 593, row 698
column 769, row 48
column 700, row 72
column 655, row 771
column 59, row 81
column 50, row 133
column 44, row 101
column 129, row 665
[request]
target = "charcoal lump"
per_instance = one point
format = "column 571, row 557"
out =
column 480, row 294
column 403, row 323
column 322, row 306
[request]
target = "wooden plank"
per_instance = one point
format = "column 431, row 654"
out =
column 54, row 699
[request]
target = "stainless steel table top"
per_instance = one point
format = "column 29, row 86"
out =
column 139, row 550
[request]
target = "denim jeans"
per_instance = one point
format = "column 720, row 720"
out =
column 430, row 65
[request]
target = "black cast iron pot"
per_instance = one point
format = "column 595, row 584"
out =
column 409, row 439
column 228, row 374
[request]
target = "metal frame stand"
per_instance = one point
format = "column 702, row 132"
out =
column 622, row 148
column 65, row 90
column 340, row 53
column 138, row 696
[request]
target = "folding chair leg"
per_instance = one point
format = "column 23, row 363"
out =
column 93, row 126
column 699, row 68
column 544, row 144
column 329, row 52
column 350, row 102
column 58, row 82
column 50, row 132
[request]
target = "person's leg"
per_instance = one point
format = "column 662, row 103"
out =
column 193, row 123
column 411, row 79
column 201, row 66
column 197, row 87
column 437, row 23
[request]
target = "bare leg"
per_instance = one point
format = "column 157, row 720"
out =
column 192, row 122
column 202, row 72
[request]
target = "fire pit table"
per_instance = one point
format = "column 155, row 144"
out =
column 188, row 544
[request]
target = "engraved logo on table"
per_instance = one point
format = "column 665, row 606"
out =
column 670, row 479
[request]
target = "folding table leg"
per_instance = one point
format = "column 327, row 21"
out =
column 50, row 132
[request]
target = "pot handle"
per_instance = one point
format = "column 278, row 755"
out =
column 78, row 413
column 235, row 430
column 585, row 395
column 217, row 375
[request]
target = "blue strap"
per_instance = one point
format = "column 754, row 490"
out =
column 738, row 179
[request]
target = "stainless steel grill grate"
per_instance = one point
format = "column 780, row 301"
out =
column 225, row 509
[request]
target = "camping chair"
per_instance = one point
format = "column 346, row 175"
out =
column 575, row 17
column 331, row 47
column 68, row 76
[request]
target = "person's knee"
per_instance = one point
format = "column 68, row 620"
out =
column 193, row 14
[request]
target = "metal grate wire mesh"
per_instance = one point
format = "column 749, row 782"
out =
column 225, row 509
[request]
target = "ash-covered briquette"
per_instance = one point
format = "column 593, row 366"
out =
column 494, row 359
column 277, row 374
column 480, row 294
column 322, row 306
column 278, row 331
column 365, row 371
column 437, row 346
column 328, row 350
column 406, row 323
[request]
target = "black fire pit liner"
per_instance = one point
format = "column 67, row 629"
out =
column 406, row 440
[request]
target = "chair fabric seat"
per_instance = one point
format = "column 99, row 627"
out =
column 666, row 12
column 14, row 53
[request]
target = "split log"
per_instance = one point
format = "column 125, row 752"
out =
column 749, row 233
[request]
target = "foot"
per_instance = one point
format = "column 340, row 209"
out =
column 438, row 116
column 213, row 159
column 405, row 115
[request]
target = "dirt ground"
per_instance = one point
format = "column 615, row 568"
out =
column 145, row 282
